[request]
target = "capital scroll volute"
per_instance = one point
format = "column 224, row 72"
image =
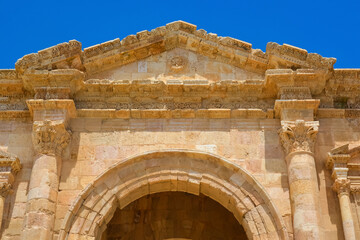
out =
column 298, row 135
column 50, row 137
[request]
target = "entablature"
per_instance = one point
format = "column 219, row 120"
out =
column 283, row 73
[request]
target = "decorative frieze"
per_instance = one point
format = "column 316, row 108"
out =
column 294, row 93
column 50, row 137
column 298, row 135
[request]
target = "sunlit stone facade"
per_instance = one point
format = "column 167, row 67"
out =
column 178, row 134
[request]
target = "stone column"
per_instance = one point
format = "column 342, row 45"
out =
column 342, row 187
column 337, row 161
column 9, row 166
column 5, row 188
column 49, row 138
column 298, row 138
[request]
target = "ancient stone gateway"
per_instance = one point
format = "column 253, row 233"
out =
column 179, row 134
column 174, row 170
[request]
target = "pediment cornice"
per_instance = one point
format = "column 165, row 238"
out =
column 177, row 34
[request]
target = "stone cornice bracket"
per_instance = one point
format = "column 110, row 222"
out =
column 54, row 109
column 50, row 137
column 54, row 84
column 9, row 167
column 298, row 135
column 295, row 109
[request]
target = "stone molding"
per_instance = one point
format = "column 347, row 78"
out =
column 50, row 137
column 125, row 113
column 9, row 167
column 53, row 104
column 298, row 135
column 215, row 113
column 287, row 93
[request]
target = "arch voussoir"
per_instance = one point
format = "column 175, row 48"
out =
column 192, row 172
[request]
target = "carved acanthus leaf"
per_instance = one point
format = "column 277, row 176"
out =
column 5, row 189
column 50, row 137
column 298, row 135
column 341, row 185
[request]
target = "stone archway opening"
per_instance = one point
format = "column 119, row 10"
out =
column 175, row 216
column 191, row 172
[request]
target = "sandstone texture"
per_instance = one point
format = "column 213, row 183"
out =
column 179, row 134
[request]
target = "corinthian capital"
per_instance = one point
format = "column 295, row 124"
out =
column 50, row 137
column 341, row 186
column 5, row 189
column 298, row 135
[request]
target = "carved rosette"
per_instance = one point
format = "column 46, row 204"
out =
column 298, row 135
column 178, row 63
column 342, row 186
column 50, row 137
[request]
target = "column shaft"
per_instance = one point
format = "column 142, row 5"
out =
column 347, row 219
column 43, row 189
column 2, row 202
column 303, row 194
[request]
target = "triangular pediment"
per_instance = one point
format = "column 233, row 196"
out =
column 179, row 52
column 176, row 64
column 177, row 34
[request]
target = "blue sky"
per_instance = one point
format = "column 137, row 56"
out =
column 330, row 28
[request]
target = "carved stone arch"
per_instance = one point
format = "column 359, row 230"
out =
column 193, row 172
